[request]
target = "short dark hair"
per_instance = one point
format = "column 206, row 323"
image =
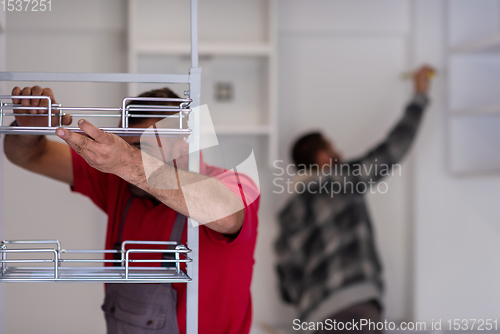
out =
column 306, row 148
column 162, row 92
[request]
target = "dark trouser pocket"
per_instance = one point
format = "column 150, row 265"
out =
column 140, row 309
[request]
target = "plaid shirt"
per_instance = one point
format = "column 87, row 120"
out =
column 327, row 259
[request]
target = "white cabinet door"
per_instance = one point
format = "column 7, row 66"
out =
column 473, row 86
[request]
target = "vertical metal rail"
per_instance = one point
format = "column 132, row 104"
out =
column 272, row 77
column 194, row 33
column 4, row 257
column 194, row 166
column 3, row 51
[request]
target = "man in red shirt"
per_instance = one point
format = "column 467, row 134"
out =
column 111, row 171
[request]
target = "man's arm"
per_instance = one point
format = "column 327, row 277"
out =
column 398, row 142
column 36, row 153
column 41, row 156
column 202, row 198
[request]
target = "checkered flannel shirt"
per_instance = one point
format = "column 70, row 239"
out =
column 326, row 243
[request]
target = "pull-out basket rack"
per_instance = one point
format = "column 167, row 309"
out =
column 132, row 107
column 44, row 264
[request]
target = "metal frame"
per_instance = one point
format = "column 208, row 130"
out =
column 194, row 81
column 193, row 233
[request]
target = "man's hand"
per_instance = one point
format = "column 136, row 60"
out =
column 422, row 78
column 103, row 151
column 36, row 120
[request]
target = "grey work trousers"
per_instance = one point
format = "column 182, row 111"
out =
column 140, row 309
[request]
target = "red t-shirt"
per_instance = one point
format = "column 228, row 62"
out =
column 225, row 265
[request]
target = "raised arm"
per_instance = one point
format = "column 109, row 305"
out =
column 36, row 153
column 378, row 162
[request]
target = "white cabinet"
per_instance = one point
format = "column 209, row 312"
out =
column 474, row 86
column 237, row 47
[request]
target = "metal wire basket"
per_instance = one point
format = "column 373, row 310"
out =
column 179, row 108
column 54, row 264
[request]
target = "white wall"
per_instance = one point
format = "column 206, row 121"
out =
column 78, row 36
column 456, row 218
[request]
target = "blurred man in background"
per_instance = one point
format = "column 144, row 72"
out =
column 328, row 264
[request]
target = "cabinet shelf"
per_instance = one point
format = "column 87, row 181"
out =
column 486, row 44
column 205, row 49
column 240, row 49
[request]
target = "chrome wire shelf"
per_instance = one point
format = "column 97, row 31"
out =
column 54, row 114
column 53, row 260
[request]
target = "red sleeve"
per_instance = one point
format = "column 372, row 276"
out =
column 247, row 191
column 89, row 181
